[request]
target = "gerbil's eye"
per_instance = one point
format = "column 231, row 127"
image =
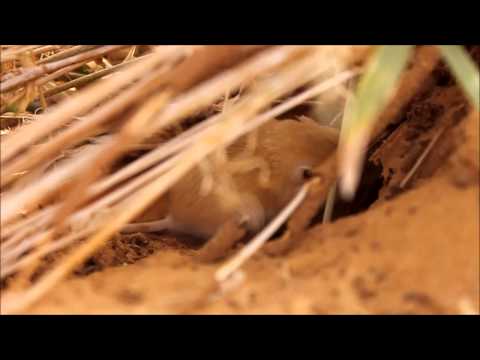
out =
column 306, row 172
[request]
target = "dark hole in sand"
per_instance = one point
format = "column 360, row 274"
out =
column 367, row 193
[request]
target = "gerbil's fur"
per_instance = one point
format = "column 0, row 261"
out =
column 254, row 180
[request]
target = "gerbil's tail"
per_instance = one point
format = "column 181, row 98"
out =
column 148, row 227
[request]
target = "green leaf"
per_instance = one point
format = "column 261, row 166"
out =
column 378, row 84
column 464, row 69
column 374, row 91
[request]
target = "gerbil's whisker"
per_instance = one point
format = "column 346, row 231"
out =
column 224, row 272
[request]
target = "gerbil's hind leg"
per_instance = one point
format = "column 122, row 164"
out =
column 223, row 240
column 148, row 227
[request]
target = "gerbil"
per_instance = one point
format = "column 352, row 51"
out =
column 260, row 175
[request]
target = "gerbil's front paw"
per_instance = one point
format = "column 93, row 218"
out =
column 279, row 247
column 218, row 246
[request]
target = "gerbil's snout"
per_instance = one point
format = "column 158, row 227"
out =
column 308, row 145
column 252, row 215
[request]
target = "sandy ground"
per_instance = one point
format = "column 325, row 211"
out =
column 354, row 265
column 415, row 251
